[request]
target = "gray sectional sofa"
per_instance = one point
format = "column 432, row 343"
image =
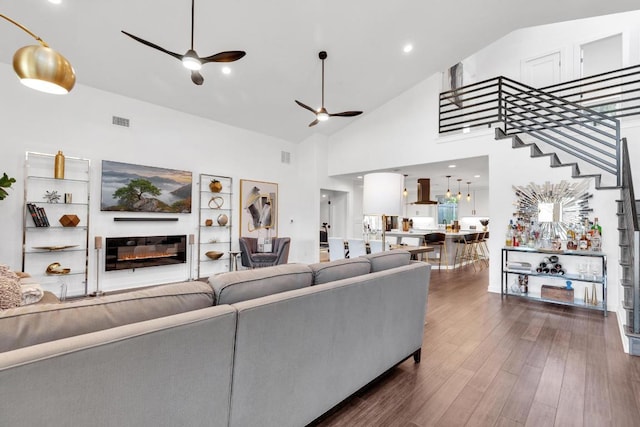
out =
column 278, row 346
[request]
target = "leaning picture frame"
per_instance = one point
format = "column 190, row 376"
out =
column 452, row 82
column 258, row 208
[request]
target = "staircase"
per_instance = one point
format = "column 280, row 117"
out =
column 571, row 135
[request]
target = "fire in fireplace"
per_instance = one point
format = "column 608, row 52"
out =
column 123, row 253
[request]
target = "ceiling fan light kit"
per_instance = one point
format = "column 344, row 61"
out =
column 190, row 59
column 322, row 115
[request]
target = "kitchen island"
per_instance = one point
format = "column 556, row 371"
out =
column 420, row 234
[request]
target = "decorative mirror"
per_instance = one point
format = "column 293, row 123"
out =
column 555, row 207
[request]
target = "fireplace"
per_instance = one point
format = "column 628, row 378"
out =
column 123, row 253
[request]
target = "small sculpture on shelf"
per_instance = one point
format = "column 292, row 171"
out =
column 215, row 186
column 51, row 196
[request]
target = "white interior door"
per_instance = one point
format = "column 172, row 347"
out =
column 601, row 55
column 542, row 71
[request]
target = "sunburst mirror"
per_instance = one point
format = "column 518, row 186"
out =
column 555, row 207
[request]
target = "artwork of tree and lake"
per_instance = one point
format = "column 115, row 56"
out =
column 136, row 188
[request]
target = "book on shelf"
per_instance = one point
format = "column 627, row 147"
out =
column 43, row 217
column 38, row 215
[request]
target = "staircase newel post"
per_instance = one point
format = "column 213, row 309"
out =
column 502, row 112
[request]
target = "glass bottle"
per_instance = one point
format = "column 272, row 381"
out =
column 596, row 236
column 583, row 243
column 596, row 227
column 508, row 238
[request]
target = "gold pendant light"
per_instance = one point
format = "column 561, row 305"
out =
column 42, row 68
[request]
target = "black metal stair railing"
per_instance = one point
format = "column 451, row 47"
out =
column 584, row 133
column 615, row 93
column 629, row 245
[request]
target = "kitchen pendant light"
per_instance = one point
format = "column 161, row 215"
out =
column 459, row 193
column 448, row 187
column 468, row 192
column 42, row 68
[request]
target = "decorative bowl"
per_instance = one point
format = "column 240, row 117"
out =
column 214, row 254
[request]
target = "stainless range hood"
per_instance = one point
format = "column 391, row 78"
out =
column 424, row 192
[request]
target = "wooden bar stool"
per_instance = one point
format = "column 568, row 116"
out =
column 438, row 240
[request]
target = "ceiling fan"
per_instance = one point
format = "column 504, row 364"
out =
column 190, row 59
column 322, row 114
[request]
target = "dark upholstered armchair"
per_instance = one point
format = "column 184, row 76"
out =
column 253, row 259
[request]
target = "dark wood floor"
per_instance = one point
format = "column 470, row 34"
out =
column 489, row 362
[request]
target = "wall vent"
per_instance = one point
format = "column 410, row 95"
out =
column 120, row 121
column 285, row 157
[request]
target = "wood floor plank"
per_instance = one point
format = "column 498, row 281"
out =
column 438, row 404
column 570, row 410
column 541, row 415
column 548, row 391
column 519, row 403
column 490, row 406
column 597, row 402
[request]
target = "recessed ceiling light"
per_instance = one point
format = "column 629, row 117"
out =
column 359, row 177
column 226, row 70
column 476, row 176
column 55, row 1
column 452, row 166
column 407, row 48
column 324, row 195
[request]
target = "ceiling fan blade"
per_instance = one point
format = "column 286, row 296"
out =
column 306, row 107
column 230, row 56
column 346, row 114
column 155, row 46
column 313, row 123
column 196, row 77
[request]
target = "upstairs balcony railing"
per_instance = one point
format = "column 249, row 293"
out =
column 578, row 117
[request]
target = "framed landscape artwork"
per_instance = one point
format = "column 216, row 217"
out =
column 258, row 208
column 135, row 188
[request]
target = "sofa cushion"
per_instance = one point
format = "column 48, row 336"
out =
column 243, row 285
column 325, row 272
column 388, row 259
column 38, row 323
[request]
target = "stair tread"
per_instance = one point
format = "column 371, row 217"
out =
column 628, row 332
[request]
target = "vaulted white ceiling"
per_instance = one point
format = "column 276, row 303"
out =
column 365, row 68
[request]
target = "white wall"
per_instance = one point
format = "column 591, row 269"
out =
column 80, row 125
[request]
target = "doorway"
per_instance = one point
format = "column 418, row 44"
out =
column 333, row 216
column 542, row 71
column 601, row 55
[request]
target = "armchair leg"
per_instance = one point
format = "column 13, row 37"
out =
column 417, row 354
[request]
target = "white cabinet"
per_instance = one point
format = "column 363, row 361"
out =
column 215, row 225
column 56, row 224
column 585, row 269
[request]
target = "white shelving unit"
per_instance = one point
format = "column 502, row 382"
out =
column 568, row 259
column 45, row 245
column 215, row 237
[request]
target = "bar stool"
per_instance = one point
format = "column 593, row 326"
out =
column 483, row 248
column 438, row 240
column 469, row 250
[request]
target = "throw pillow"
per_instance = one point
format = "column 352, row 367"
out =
column 10, row 293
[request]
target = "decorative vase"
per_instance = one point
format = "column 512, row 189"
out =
column 58, row 166
column 222, row 220
column 215, row 186
column 208, row 222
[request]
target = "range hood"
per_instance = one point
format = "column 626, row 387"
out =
column 424, row 192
